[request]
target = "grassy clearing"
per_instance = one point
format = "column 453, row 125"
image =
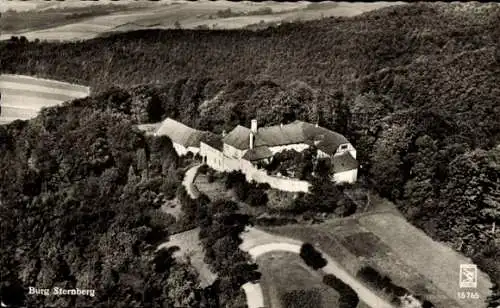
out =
column 365, row 245
column 288, row 283
column 213, row 189
column 435, row 261
column 393, row 247
column 191, row 250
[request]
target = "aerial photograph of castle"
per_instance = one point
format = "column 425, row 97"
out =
column 206, row 154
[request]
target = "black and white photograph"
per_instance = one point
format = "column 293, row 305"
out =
column 249, row 154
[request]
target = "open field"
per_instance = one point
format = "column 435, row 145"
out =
column 433, row 260
column 45, row 17
column 287, row 282
column 23, row 96
column 393, row 247
column 187, row 15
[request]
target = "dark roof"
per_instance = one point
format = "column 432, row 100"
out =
column 293, row 133
column 213, row 140
column 238, row 137
column 149, row 128
column 180, row 133
column 258, row 153
column 344, row 162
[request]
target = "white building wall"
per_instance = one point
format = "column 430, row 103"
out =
column 181, row 150
column 213, row 157
column 233, row 152
column 322, row 154
column 346, row 177
column 217, row 160
column 193, row 150
column 349, row 149
column 284, row 184
column 299, row 147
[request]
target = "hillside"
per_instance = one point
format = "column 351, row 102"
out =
column 415, row 88
column 340, row 49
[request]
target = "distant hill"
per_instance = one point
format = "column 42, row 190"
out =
column 69, row 21
column 328, row 52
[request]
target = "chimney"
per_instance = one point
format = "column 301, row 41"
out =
column 316, row 124
column 251, row 140
column 281, row 125
column 253, row 132
column 224, row 133
column 253, row 126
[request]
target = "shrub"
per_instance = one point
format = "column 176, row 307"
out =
column 203, row 169
column 374, row 278
column 154, row 185
column 302, row 299
column 169, row 188
column 370, row 275
column 312, row 257
column 234, row 178
column 256, row 196
column 280, row 200
column 348, row 297
column 275, row 221
column 210, row 177
column 241, row 190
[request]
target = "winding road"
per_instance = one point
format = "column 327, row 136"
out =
column 258, row 243
column 188, row 182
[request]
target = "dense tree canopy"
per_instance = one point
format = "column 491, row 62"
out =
column 78, row 211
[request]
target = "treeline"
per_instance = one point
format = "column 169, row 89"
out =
column 396, row 293
column 340, row 49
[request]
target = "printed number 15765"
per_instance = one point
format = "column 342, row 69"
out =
column 468, row 295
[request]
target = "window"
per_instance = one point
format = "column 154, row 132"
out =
column 344, row 147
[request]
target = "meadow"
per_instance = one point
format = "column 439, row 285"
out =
column 287, row 282
column 389, row 244
column 23, row 96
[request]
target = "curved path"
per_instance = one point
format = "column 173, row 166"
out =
column 188, row 180
column 253, row 291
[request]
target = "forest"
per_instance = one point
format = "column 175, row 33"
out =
column 81, row 190
column 414, row 88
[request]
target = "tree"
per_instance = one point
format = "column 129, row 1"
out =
column 494, row 299
column 180, row 286
column 312, row 257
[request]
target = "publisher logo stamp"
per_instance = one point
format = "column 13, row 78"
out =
column 468, row 276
